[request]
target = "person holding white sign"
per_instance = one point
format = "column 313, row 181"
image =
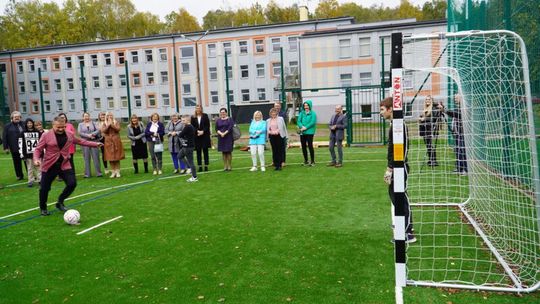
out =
column 29, row 141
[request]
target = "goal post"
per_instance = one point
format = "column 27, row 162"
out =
column 473, row 184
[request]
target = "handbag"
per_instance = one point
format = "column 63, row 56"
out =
column 158, row 147
column 236, row 132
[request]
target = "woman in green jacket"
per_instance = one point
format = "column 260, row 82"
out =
column 307, row 124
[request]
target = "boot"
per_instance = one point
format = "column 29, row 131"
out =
column 205, row 168
column 136, row 167
column 146, row 167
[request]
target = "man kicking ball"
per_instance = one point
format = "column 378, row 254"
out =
column 55, row 146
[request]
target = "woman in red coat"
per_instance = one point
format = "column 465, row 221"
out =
column 114, row 152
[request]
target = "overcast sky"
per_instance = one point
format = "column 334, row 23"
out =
column 199, row 8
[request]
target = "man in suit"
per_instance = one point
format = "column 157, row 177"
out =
column 55, row 163
column 337, row 126
column 12, row 138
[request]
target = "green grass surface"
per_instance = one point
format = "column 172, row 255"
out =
column 303, row 235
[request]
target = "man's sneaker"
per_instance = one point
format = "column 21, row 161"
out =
column 61, row 207
column 410, row 238
column 331, row 164
column 263, row 169
column 45, row 212
column 253, row 169
column 339, row 165
column 192, row 179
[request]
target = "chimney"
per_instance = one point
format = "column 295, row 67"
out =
column 304, row 14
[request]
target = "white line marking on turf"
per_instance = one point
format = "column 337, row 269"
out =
column 100, row 224
column 74, row 197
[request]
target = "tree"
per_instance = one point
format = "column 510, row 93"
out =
column 181, row 22
column 251, row 16
column 277, row 14
column 327, row 9
column 434, row 10
column 218, row 19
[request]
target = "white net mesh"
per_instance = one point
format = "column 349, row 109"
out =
column 473, row 179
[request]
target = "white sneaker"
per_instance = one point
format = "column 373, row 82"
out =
column 117, row 174
column 155, row 172
column 188, row 171
column 263, row 169
column 192, row 179
column 253, row 169
column 159, row 172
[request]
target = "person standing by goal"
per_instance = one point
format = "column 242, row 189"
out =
column 387, row 113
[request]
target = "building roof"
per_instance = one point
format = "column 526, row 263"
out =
column 177, row 35
column 374, row 26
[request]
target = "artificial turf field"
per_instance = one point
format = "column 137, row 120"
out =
column 302, row 235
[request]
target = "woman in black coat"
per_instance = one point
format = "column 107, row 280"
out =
column 201, row 122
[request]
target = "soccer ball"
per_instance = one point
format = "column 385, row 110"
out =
column 72, row 217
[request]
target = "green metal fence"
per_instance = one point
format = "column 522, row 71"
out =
column 520, row 16
column 365, row 125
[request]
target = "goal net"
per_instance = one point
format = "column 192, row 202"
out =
column 473, row 181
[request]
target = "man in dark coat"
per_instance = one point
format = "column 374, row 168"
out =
column 12, row 135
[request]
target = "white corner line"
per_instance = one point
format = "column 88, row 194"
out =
column 100, row 224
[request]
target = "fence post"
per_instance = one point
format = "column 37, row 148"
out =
column 283, row 99
column 227, row 84
column 348, row 105
column 83, row 88
column 41, row 97
column 2, row 99
column 128, row 90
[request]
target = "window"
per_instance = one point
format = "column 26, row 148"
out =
column 213, row 73
column 364, row 47
column 211, row 50
column 121, row 57
column 245, row 95
column 276, row 44
column 149, row 56
column 293, row 67
column 35, row 106
column 231, row 96
column 97, row 103
column 293, row 44
column 2, row 67
column 365, row 79
column 136, row 79
column 69, row 64
column 186, row 52
column 214, row 96
column 31, row 65
column 71, row 103
column 164, row 77
column 260, row 69
column 243, row 47
column 276, row 69
column 47, row 105
column 261, row 93
column 81, row 60
column 386, row 45
column 23, row 107
column 277, row 95
column 134, row 56
column 150, row 78
column 59, row 105
column 56, row 64
column 70, row 84
column 107, row 59
column 110, row 102
column 259, row 45
column 152, row 100
column 33, row 86
column 138, row 101
column 190, row 101
column 162, row 54
column 43, row 64
column 227, row 48
column 185, row 67
column 166, row 100
column 124, row 101
column 366, row 110
column 22, row 88
column 95, row 82
column 186, row 89
column 58, row 85
column 109, row 81
column 122, row 78
column 20, row 67
column 408, row 80
column 94, row 60
column 45, row 83
column 244, row 72
column 345, row 80
column 229, row 72
column 345, row 48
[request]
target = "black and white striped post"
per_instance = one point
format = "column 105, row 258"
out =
column 398, row 136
